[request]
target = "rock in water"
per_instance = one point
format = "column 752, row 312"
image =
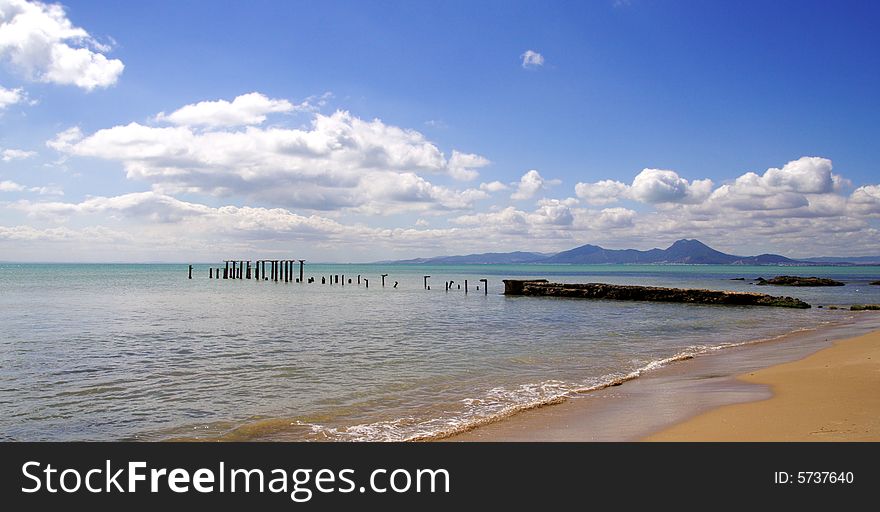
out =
column 799, row 281
column 646, row 293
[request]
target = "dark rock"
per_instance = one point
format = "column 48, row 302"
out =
column 799, row 281
column 646, row 293
column 876, row 283
column 865, row 307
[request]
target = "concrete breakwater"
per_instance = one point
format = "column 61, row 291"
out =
column 543, row 288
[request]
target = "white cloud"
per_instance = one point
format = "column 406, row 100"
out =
column 529, row 184
column 247, row 109
column 615, row 218
column 10, row 186
column 342, row 162
column 663, row 186
column 601, row 192
column 493, row 186
column 8, row 155
column 40, row 42
column 11, row 97
column 651, row 186
column 462, row 165
column 532, row 59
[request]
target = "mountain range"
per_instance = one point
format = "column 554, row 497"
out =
column 681, row 252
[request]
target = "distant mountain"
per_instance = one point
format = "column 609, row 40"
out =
column 682, row 251
column 836, row 260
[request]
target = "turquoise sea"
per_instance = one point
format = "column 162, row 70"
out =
column 140, row 352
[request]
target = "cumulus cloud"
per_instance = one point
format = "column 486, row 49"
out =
column 11, row 97
column 493, row 186
column 462, row 166
column 41, row 43
column 532, row 59
column 529, row 184
column 651, row 186
column 8, row 155
column 247, row 109
column 613, row 218
column 663, row 186
column 601, row 192
column 341, row 162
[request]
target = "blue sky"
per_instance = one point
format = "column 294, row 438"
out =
column 371, row 130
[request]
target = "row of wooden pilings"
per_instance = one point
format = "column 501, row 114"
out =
column 284, row 270
column 279, row 270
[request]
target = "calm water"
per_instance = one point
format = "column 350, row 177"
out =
column 106, row 352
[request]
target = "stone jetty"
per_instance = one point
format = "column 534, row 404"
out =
column 543, row 288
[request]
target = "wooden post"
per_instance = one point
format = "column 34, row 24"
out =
column 426, row 281
column 301, row 270
column 336, row 278
column 465, row 286
column 226, row 270
column 323, row 280
column 359, row 279
column 367, row 281
column 190, row 271
column 285, row 267
column 485, row 286
column 383, row 279
column 395, row 284
column 211, row 273
column 343, row 279
column 447, row 286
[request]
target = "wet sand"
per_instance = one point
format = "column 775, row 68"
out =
column 832, row 395
column 675, row 393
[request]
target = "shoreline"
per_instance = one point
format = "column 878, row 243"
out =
column 670, row 395
column 830, row 395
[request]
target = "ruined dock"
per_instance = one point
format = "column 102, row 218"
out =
column 543, row 288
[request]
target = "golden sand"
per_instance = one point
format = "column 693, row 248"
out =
column 832, row 395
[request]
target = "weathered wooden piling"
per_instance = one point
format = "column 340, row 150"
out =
column 485, row 286
column 465, row 286
column 301, row 271
column 383, row 279
column 395, row 284
column 226, row 270
column 426, row 281
column 190, row 271
column 336, row 278
column 211, row 273
column 359, row 279
column 343, row 279
column 366, row 282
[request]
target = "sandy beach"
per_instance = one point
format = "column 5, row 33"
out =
column 813, row 385
column 831, row 395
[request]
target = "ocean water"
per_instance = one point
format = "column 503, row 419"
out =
column 140, row 352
